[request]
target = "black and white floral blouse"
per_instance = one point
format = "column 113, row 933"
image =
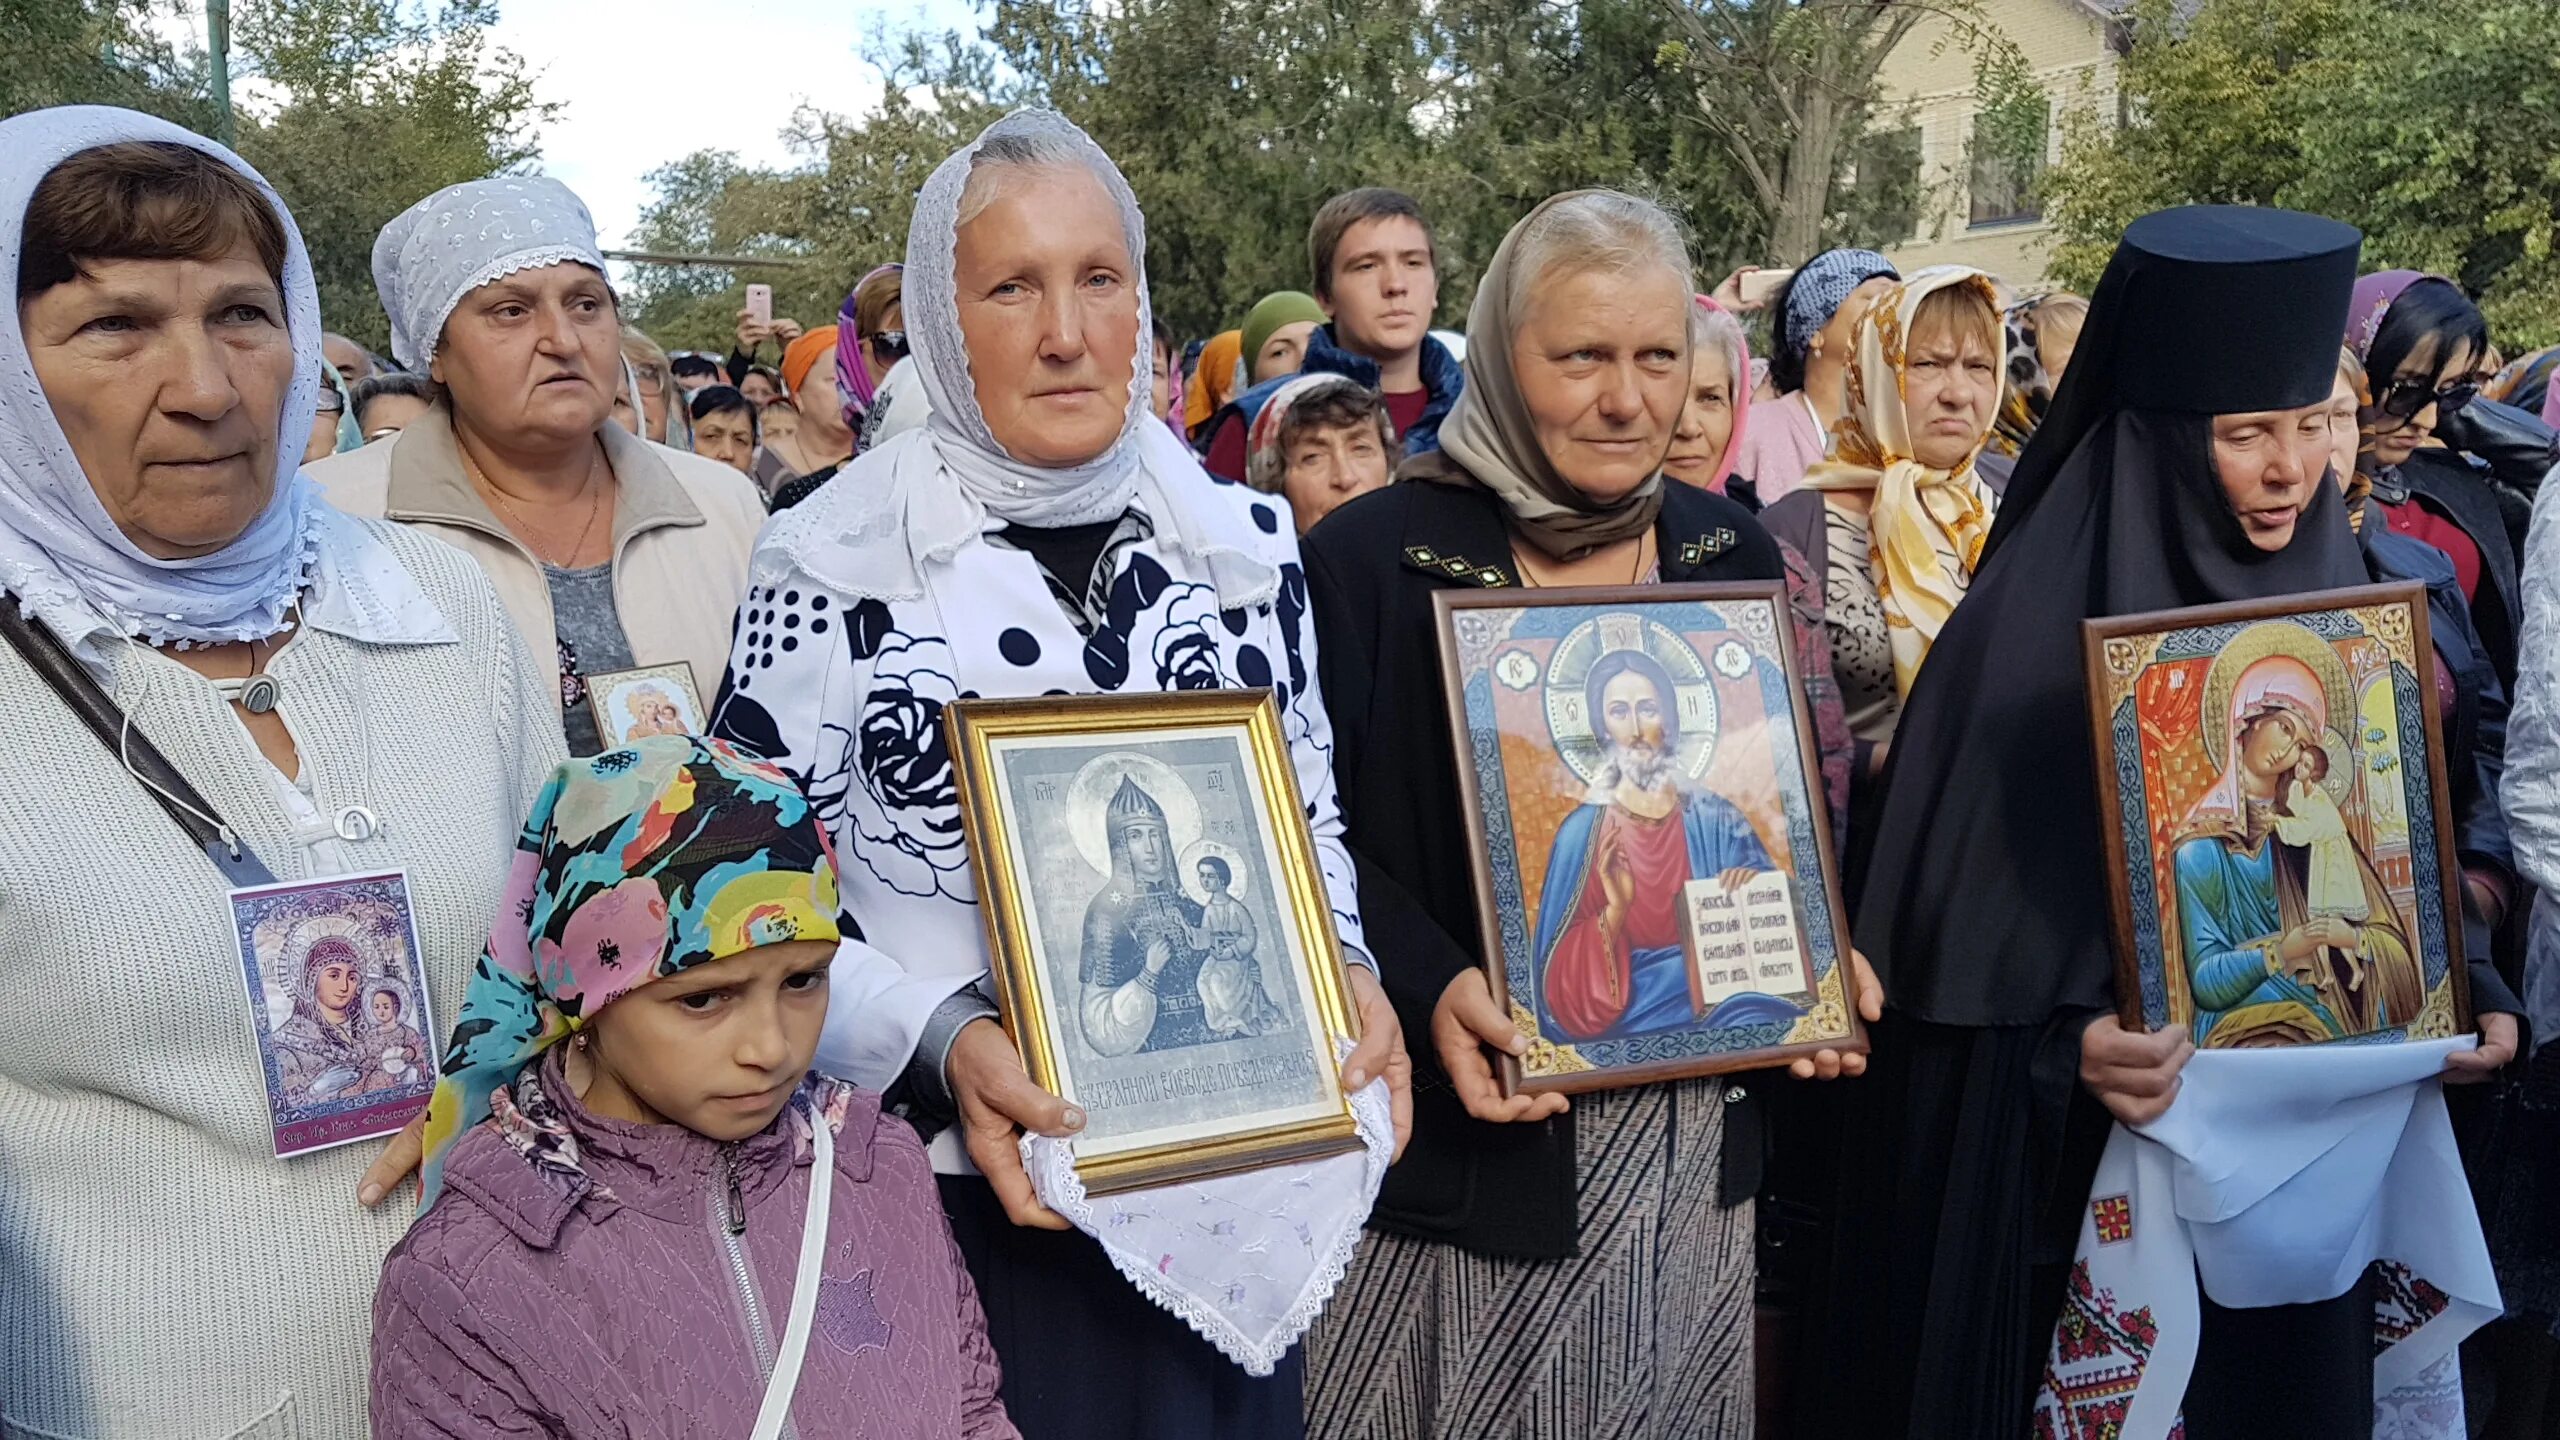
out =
column 846, row 693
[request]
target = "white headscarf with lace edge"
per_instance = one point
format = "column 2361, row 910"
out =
column 927, row 493
column 71, row 567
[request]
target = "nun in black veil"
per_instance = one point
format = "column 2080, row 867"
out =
column 2182, row 464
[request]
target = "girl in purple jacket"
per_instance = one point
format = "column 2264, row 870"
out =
column 669, row 1226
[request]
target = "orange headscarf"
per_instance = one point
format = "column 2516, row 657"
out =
column 808, row 350
column 1214, row 383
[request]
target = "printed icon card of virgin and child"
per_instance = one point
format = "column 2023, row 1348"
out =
column 1163, row 948
column 1654, row 875
column 2280, row 841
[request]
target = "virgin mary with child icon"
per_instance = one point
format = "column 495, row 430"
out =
column 2289, row 934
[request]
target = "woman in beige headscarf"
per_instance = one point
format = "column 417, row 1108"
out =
column 1535, row 1272
column 1895, row 520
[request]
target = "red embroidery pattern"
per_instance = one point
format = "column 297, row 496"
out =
column 2096, row 1364
column 2114, row 1217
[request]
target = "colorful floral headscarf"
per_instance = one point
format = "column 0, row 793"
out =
column 853, row 370
column 636, row 864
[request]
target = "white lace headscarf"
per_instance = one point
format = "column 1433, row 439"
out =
column 65, row 559
column 928, row 492
column 469, row 235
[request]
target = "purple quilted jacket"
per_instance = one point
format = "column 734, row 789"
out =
column 584, row 1277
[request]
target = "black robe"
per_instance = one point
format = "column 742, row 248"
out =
column 1969, row 1147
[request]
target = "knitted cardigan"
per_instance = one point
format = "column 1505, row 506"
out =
column 161, row 1273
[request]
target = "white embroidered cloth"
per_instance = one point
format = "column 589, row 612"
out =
column 2277, row 1178
column 1248, row 1260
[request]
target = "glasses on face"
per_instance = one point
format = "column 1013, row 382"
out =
column 2406, row 398
column 651, row 374
column 890, row 346
column 330, row 404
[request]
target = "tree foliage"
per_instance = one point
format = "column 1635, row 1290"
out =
column 94, row 52
column 1787, row 88
column 353, row 109
column 1235, row 119
column 2433, row 125
column 382, row 103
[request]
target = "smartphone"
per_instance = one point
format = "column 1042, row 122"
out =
column 760, row 304
column 1758, row 288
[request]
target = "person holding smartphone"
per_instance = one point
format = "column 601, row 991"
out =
column 758, row 325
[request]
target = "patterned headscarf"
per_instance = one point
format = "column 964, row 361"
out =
column 1266, row 468
column 636, row 864
column 853, row 370
column 350, row 433
column 1818, row 290
column 2029, row 392
column 1921, row 522
column 2374, row 296
column 2525, row 383
column 469, row 235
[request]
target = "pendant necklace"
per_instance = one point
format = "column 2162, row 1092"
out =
column 261, row 692
column 524, row 527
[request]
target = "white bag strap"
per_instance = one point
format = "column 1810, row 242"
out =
column 804, row 1286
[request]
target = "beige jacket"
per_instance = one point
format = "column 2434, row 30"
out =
column 682, row 530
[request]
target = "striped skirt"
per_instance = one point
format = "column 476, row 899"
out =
column 1646, row 1335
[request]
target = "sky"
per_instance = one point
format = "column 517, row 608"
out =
column 642, row 83
column 645, row 82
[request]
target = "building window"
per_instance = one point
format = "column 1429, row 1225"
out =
column 1888, row 178
column 2006, row 167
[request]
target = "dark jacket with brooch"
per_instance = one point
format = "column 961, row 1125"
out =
column 1372, row 568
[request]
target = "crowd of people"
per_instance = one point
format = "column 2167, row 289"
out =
column 727, row 1135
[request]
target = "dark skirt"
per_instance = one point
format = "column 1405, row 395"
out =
column 1968, row 1159
column 1086, row 1357
column 2515, row 1173
column 2284, row 1370
column 1966, row 1154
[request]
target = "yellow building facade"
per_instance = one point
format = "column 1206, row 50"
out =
column 1971, row 213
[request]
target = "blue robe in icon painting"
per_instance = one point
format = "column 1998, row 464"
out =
column 1590, row 989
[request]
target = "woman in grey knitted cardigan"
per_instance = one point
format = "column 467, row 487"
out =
column 161, row 1272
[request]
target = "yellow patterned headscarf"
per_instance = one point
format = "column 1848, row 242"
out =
column 1925, row 527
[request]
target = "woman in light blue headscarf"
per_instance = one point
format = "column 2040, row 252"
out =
column 162, row 543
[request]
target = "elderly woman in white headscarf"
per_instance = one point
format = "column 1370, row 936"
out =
column 1039, row 533
column 610, row 551
column 161, row 1271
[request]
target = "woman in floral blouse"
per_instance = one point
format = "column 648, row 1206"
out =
column 1035, row 537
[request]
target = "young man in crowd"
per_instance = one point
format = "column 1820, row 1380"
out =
column 1376, row 275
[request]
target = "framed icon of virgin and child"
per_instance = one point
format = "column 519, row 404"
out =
column 2279, row 834
column 1654, row 876
column 1159, row 933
